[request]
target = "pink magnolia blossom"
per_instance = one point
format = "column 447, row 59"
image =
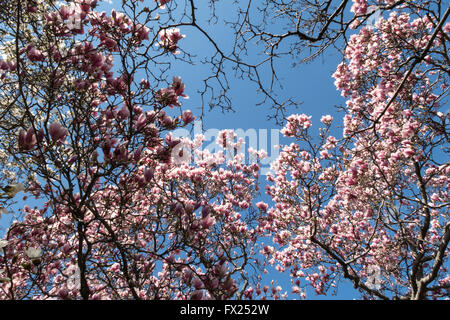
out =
column 187, row 117
column 262, row 206
column 57, row 132
column 326, row 119
column 27, row 139
column 124, row 112
column 34, row 54
column 169, row 39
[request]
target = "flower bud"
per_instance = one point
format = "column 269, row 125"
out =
column 57, row 132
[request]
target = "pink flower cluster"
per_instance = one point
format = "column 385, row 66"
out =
column 169, row 96
column 110, row 28
column 169, row 39
column 296, row 123
column 70, row 19
column 199, row 245
column 27, row 140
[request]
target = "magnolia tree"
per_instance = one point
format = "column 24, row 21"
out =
column 372, row 207
column 86, row 117
column 127, row 211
